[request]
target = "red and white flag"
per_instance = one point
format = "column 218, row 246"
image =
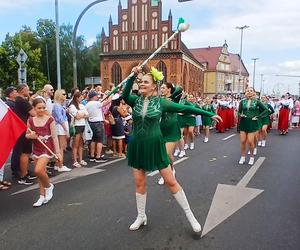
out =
column 11, row 127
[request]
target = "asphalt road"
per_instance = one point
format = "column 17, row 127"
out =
column 95, row 211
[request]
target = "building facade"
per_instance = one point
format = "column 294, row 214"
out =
column 139, row 31
column 222, row 70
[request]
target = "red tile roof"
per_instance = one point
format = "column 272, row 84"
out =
column 210, row 55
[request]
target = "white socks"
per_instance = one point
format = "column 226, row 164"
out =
column 183, row 202
column 141, row 206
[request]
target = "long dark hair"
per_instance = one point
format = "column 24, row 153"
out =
column 38, row 100
column 75, row 101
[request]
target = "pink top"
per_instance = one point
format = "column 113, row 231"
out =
column 44, row 133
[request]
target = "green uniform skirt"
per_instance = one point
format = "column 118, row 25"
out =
column 170, row 131
column 148, row 154
column 248, row 125
column 266, row 121
column 186, row 121
column 206, row 121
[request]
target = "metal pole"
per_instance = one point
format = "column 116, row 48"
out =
column 261, row 84
column 75, row 82
column 241, row 50
column 253, row 83
column 57, row 47
column 47, row 60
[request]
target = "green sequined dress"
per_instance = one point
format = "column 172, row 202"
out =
column 249, row 109
column 207, row 121
column 186, row 120
column 169, row 124
column 266, row 119
column 147, row 149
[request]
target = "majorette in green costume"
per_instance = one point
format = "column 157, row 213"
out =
column 248, row 109
column 147, row 149
column 169, row 124
column 187, row 120
column 207, row 121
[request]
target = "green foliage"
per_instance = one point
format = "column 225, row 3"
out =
column 40, row 47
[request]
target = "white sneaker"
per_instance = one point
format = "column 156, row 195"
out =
column 182, row 153
column 176, row 152
column 251, row 161
column 249, row 152
column 161, row 181
column 192, row 145
column 40, row 201
column 186, row 146
column 109, row 152
column 64, row 169
column 205, row 139
column 49, row 192
column 263, row 143
column 242, row 160
column 255, row 151
column 259, row 144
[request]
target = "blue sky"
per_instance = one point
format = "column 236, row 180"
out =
column 273, row 36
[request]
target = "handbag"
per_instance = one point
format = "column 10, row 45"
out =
column 72, row 130
column 88, row 132
column 111, row 119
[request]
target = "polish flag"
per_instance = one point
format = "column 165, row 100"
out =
column 11, row 127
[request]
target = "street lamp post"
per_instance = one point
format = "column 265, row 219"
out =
column 261, row 85
column 241, row 28
column 75, row 82
column 57, row 46
column 253, row 82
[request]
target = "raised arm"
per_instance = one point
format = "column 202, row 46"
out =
column 177, row 94
column 169, row 106
column 127, row 97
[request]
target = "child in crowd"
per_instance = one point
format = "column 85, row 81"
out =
column 42, row 127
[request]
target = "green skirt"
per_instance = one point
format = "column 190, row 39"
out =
column 171, row 131
column 206, row 121
column 186, row 121
column 248, row 125
column 266, row 121
column 148, row 154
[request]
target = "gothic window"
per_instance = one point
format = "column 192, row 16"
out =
column 165, row 38
column 125, row 43
column 116, row 73
column 161, row 66
column 134, row 17
column 144, row 17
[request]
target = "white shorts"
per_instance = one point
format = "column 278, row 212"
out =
column 60, row 130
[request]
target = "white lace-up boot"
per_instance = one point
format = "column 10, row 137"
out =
column 141, row 219
column 183, row 202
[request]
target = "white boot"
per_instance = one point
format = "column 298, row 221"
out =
column 259, row 144
column 242, row 160
column 176, row 152
column 192, row 145
column 263, row 143
column 161, row 181
column 183, row 202
column 186, row 146
column 49, row 192
column 182, row 153
column 251, row 161
column 205, row 139
column 141, row 219
column 255, row 151
column 40, row 201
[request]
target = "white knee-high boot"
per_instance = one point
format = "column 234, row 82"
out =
column 183, row 202
column 141, row 206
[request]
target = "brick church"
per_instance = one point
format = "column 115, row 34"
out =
column 139, row 31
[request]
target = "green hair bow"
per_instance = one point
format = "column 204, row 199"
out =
column 157, row 75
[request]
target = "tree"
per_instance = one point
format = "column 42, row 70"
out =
column 9, row 49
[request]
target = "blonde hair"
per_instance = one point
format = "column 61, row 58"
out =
column 58, row 95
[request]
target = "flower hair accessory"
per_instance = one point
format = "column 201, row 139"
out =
column 157, row 75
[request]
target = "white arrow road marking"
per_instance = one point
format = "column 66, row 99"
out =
column 175, row 162
column 228, row 199
column 228, row 137
column 75, row 173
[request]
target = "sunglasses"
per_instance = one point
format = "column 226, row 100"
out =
column 64, row 94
